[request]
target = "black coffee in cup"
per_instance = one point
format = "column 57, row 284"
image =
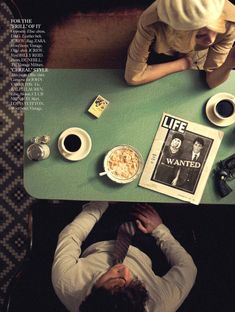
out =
column 72, row 143
column 224, row 108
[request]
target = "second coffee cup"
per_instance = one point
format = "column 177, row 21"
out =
column 74, row 144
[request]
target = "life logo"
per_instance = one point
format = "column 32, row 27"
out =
column 174, row 124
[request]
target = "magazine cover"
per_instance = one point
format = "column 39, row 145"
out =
column 181, row 158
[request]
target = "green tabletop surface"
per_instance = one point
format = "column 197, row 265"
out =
column 132, row 117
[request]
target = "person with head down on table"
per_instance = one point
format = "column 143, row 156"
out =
column 176, row 35
column 113, row 275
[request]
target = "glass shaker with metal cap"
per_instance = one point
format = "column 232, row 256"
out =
column 38, row 150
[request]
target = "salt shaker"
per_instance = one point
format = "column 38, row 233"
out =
column 37, row 151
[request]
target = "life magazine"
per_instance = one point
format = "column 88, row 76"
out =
column 181, row 158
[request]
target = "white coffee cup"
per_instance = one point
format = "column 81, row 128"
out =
column 71, row 143
column 220, row 109
column 74, row 144
column 224, row 108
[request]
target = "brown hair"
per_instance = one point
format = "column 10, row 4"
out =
column 132, row 297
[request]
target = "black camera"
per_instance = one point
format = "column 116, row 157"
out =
column 224, row 172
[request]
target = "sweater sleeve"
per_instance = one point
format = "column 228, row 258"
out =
column 219, row 51
column 138, row 53
column 68, row 251
column 178, row 281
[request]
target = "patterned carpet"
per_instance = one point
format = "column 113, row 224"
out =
column 14, row 202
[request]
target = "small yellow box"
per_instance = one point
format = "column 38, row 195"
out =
column 98, row 106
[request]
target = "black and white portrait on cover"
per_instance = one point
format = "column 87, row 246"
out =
column 181, row 160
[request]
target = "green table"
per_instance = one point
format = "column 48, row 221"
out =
column 132, row 118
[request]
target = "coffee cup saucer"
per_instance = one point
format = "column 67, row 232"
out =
column 221, row 122
column 83, row 151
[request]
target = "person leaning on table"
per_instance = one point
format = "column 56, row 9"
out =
column 90, row 282
column 195, row 34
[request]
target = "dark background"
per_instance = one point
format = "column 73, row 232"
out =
column 207, row 232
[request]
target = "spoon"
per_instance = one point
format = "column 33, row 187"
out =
column 105, row 172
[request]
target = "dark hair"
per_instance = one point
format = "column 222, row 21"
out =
column 178, row 136
column 199, row 140
column 132, row 297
